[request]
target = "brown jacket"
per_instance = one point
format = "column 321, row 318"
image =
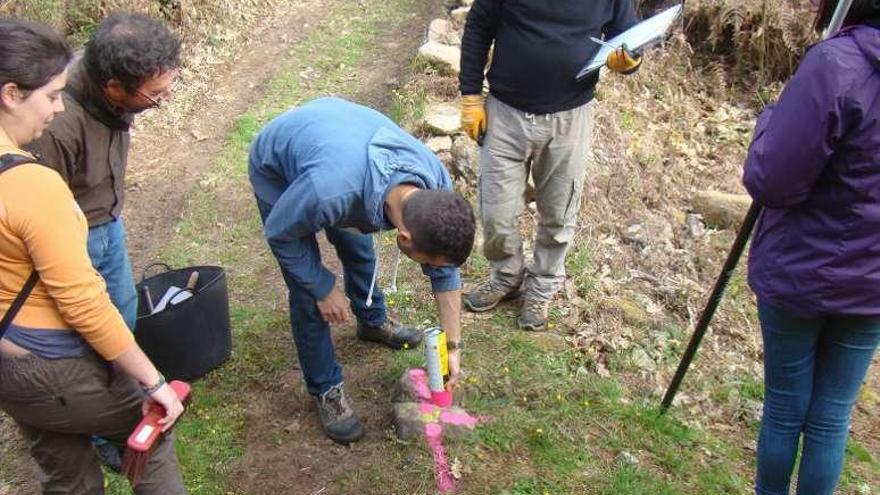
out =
column 88, row 145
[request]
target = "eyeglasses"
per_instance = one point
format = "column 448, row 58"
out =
column 156, row 103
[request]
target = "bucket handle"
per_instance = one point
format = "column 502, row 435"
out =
column 153, row 265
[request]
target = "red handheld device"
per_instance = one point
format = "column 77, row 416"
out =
column 149, row 429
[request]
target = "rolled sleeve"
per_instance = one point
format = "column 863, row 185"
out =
column 443, row 279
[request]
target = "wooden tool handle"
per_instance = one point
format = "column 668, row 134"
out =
column 193, row 280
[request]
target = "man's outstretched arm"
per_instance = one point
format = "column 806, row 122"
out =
column 449, row 311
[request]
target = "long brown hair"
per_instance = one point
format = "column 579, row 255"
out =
column 32, row 54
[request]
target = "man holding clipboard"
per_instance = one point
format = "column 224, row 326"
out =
column 536, row 120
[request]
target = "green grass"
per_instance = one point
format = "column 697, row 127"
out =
column 553, row 430
column 407, row 107
column 578, row 266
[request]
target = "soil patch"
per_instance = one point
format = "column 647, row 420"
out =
column 167, row 163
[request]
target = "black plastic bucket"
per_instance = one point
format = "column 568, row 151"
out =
column 186, row 340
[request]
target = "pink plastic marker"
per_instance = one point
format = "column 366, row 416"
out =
column 442, row 398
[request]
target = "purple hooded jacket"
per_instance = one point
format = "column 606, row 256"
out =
column 814, row 164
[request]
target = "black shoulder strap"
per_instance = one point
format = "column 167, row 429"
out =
column 10, row 160
column 7, row 162
column 18, row 302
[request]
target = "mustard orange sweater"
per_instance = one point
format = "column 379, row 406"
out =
column 41, row 226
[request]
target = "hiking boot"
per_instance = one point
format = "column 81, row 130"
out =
column 391, row 334
column 533, row 315
column 338, row 419
column 486, row 295
column 109, row 454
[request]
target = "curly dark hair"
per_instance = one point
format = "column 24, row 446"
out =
column 32, row 54
column 130, row 48
column 441, row 224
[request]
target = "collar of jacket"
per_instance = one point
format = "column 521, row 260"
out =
column 88, row 94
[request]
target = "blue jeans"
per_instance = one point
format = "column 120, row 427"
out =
column 110, row 257
column 311, row 334
column 813, row 369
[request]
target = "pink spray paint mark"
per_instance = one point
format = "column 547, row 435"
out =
column 458, row 418
column 434, row 436
column 434, row 418
column 419, row 379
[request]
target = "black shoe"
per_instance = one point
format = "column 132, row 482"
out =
column 391, row 334
column 338, row 419
column 110, row 455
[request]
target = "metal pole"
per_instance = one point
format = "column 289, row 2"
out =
column 733, row 257
column 837, row 19
column 739, row 244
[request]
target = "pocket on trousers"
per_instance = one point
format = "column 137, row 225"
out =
column 28, row 394
column 571, row 204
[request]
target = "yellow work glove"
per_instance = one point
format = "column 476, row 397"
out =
column 473, row 117
column 623, row 61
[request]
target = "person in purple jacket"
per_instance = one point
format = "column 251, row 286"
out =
column 814, row 165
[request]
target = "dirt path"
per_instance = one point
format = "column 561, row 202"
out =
column 166, row 168
column 285, row 450
column 167, row 164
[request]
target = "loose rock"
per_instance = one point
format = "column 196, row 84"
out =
column 444, row 58
column 442, row 118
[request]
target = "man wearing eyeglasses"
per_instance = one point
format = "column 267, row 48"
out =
column 130, row 64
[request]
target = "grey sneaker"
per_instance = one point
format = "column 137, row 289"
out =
column 486, row 295
column 533, row 315
column 338, row 419
column 391, row 334
column 109, row 454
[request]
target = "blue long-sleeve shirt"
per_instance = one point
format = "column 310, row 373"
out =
column 331, row 163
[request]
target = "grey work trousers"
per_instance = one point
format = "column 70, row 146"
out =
column 60, row 403
column 553, row 149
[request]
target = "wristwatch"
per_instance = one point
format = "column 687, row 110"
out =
column 452, row 345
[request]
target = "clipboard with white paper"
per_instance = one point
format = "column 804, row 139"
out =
column 635, row 38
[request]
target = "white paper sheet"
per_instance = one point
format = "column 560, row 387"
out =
column 635, row 38
column 179, row 296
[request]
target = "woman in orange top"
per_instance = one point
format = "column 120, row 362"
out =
column 69, row 366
